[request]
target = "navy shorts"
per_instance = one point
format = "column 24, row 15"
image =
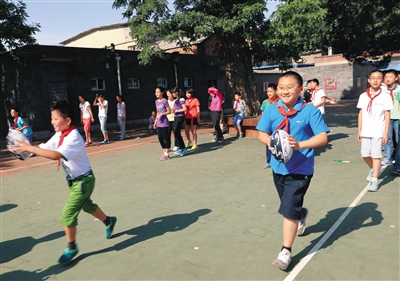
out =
column 291, row 190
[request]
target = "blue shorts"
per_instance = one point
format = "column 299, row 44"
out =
column 291, row 190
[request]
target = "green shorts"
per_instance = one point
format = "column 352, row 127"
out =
column 79, row 199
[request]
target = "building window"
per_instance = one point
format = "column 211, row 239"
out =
column 187, row 82
column 162, row 82
column 133, row 83
column 98, row 84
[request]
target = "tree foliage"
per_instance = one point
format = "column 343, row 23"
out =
column 14, row 32
column 239, row 26
column 355, row 28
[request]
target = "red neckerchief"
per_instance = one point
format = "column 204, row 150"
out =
column 285, row 121
column 271, row 101
column 63, row 135
column 237, row 103
column 312, row 93
column 15, row 122
column 391, row 91
column 369, row 107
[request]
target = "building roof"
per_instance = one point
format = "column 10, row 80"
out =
column 92, row 30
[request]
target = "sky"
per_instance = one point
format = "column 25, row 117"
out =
column 63, row 19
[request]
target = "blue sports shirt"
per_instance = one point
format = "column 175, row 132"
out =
column 307, row 123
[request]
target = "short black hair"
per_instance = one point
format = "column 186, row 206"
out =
column 316, row 81
column 394, row 71
column 375, row 70
column 66, row 110
column 272, row 85
column 292, row 74
column 15, row 109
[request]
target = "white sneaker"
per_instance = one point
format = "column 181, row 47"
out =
column 302, row 222
column 283, row 260
column 176, row 148
column 373, row 186
column 369, row 177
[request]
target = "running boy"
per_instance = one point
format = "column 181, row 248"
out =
column 68, row 148
column 392, row 88
column 373, row 125
column 307, row 130
column 272, row 98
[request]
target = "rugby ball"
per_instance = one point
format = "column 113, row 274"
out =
column 280, row 147
column 12, row 138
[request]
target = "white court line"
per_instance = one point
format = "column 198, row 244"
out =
column 299, row 267
column 88, row 153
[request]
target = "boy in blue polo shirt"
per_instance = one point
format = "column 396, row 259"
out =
column 307, row 130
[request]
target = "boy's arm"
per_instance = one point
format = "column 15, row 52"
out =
column 26, row 147
column 316, row 141
column 95, row 100
column 387, row 126
column 264, row 137
column 359, row 125
column 91, row 113
column 321, row 103
column 125, row 113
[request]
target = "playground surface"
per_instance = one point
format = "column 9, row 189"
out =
column 210, row 215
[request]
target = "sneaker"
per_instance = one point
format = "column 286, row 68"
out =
column 183, row 151
column 237, row 135
column 395, row 171
column 302, row 222
column 110, row 227
column 283, row 260
column 178, row 151
column 105, row 141
column 221, row 140
column 373, row 186
column 176, row 148
column 215, row 140
column 121, row 138
column 164, row 157
column 68, row 255
column 195, row 146
column 86, row 142
column 369, row 177
column 385, row 162
column 267, row 166
column 240, row 136
column 90, row 142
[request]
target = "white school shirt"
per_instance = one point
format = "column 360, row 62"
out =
column 103, row 111
column 84, row 108
column 120, row 109
column 373, row 123
column 317, row 98
column 75, row 161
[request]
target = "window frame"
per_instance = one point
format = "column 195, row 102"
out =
column 132, row 81
column 97, row 84
column 162, row 82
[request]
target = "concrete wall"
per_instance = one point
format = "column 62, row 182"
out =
column 345, row 73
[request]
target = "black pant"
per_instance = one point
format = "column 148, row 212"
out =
column 172, row 129
column 215, row 118
column 177, row 132
column 163, row 137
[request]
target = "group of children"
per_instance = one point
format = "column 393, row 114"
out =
column 291, row 179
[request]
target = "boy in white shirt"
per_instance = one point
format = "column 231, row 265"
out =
column 68, row 148
column 373, row 125
column 318, row 96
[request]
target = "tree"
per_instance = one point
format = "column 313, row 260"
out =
column 14, row 32
column 356, row 28
column 363, row 27
column 296, row 27
column 239, row 26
